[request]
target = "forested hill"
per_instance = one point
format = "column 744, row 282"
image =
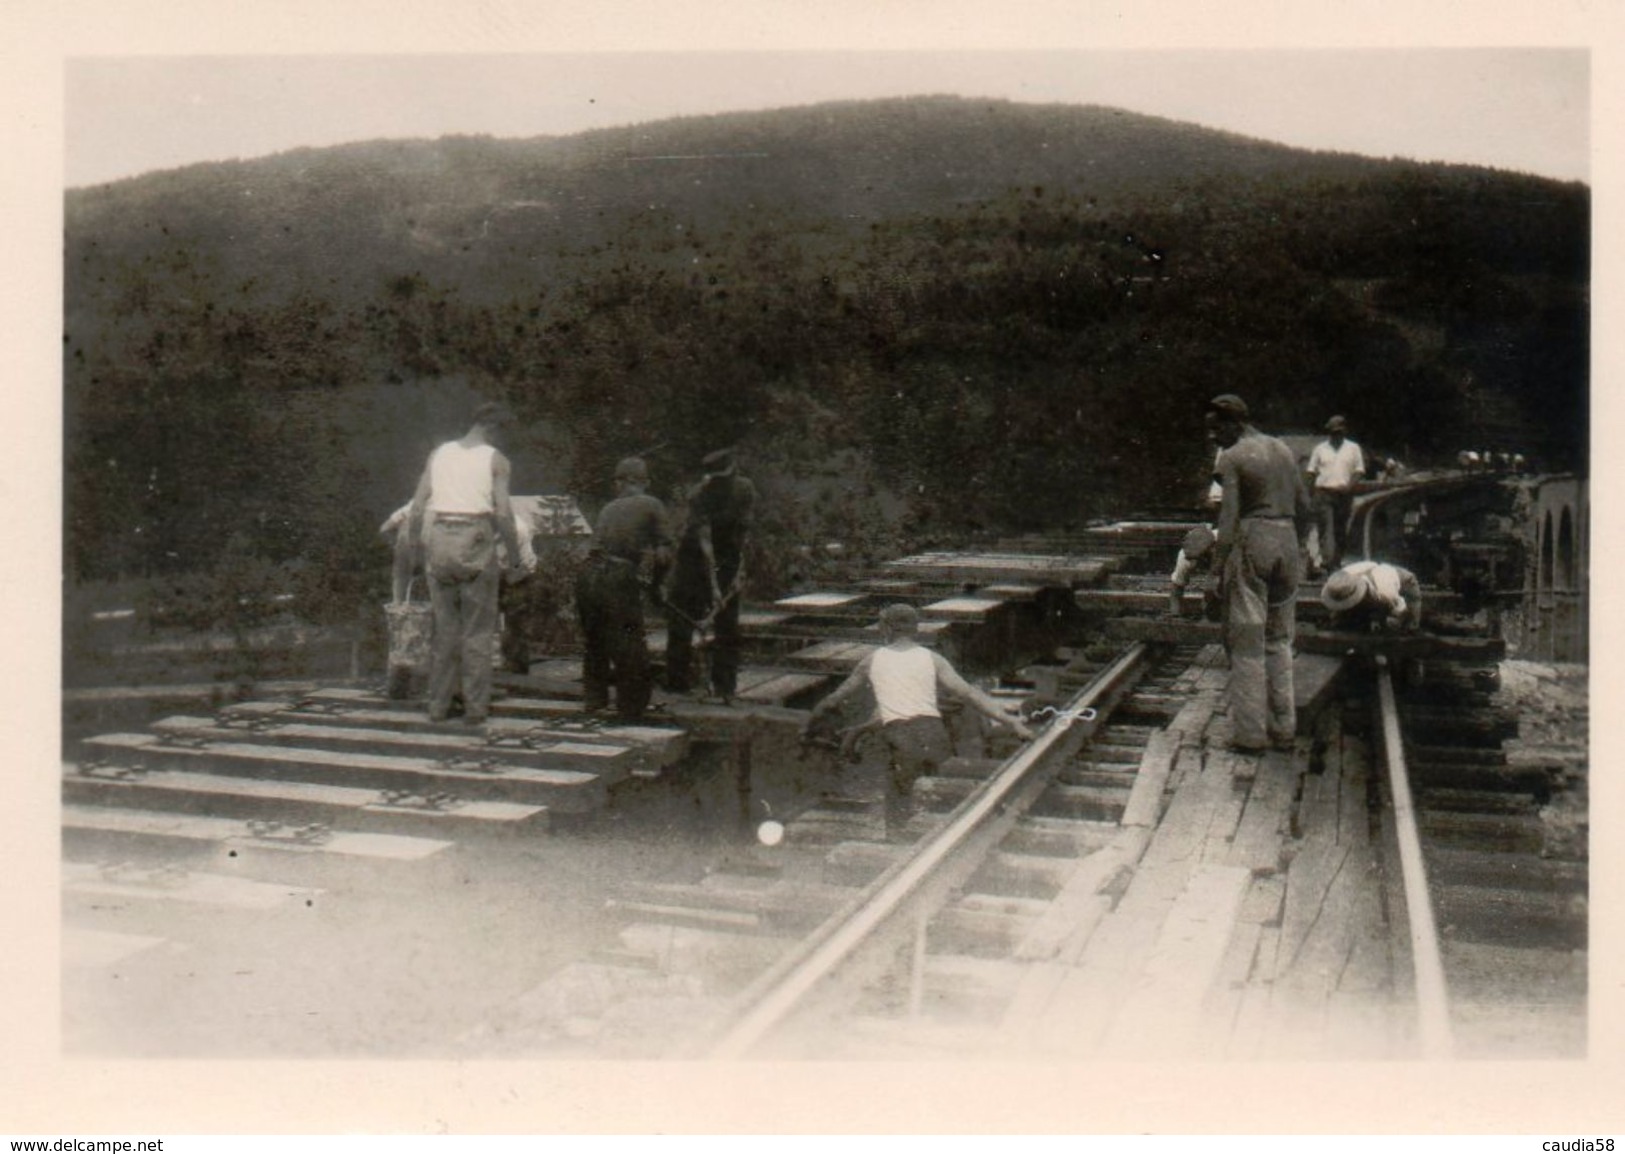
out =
column 991, row 315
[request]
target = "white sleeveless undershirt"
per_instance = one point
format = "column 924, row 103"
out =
column 460, row 479
column 905, row 683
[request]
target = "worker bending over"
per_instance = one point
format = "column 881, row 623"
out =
column 1373, row 595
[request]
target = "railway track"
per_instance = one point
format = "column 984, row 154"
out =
column 1494, row 896
column 1120, row 887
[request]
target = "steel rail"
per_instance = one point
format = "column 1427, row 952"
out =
column 778, row 993
column 1432, row 993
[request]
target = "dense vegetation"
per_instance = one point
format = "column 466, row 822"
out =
column 918, row 318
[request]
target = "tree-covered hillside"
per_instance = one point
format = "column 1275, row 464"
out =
column 917, row 316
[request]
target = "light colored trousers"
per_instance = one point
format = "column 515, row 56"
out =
column 1261, row 588
column 464, row 582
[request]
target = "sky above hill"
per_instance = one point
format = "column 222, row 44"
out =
column 1522, row 109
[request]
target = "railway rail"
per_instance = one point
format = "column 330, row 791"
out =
column 1121, row 886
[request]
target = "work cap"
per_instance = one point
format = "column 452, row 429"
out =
column 1198, row 541
column 632, row 469
column 1337, row 425
column 720, row 461
column 493, row 413
column 1229, row 405
column 1343, row 590
column 901, row 617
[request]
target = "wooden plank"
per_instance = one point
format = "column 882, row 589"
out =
column 1265, row 900
column 158, row 884
column 250, row 797
column 1145, row 797
column 511, row 717
column 195, row 828
column 1060, row 933
column 820, row 600
column 596, row 757
column 1161, row 1017
column 1222, row 830
column 1307, row 882
column 836, row 655
column 564, row 789
column 1315, row 681
column 778, row 689
column 1014, row 591
column 1258, row 843
column 963, row 608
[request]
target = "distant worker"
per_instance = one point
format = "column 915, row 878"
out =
column 904, row 677
column 707, row 580
column 631, row 551
column 1265, row 502
column 1373, row 595
column 1335, row 466
column 459, row 512
column 1197, row 547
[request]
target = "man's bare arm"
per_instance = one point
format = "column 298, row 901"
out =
column 858, row 679
column 949, row 679
column 420, row 502
column 500, row 472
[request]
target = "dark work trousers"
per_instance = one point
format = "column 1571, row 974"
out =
column 461, row 559
column 690, row 602
column 1333, row 508
column 609, row 603
column 1260, row 614
column 917, row 746
column 525, row 607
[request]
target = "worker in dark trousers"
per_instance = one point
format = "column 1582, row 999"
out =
column 707, row 580
column 630, row 554
column 1264, row 508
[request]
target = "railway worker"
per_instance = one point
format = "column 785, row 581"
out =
column 904, row 677
column 459, row 512
column 1335, row 465
column 1197, row 547
column 1373, row 595
column 630, row 553
column 708, row 576
column 516, row 600
column 1265, row 503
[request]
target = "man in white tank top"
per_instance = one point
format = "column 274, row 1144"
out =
column 460, row 507
column 905, row 677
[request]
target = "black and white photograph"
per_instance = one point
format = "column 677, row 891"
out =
column 760, row 558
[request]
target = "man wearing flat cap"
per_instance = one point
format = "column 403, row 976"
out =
column 1334, row 466
column 630, row 553
column 1263, row 507
column 708, row 577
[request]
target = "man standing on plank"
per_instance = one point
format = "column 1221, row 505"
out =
column 1257, row 555
column 459, row 511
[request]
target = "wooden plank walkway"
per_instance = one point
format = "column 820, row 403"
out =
column 1248, row 922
